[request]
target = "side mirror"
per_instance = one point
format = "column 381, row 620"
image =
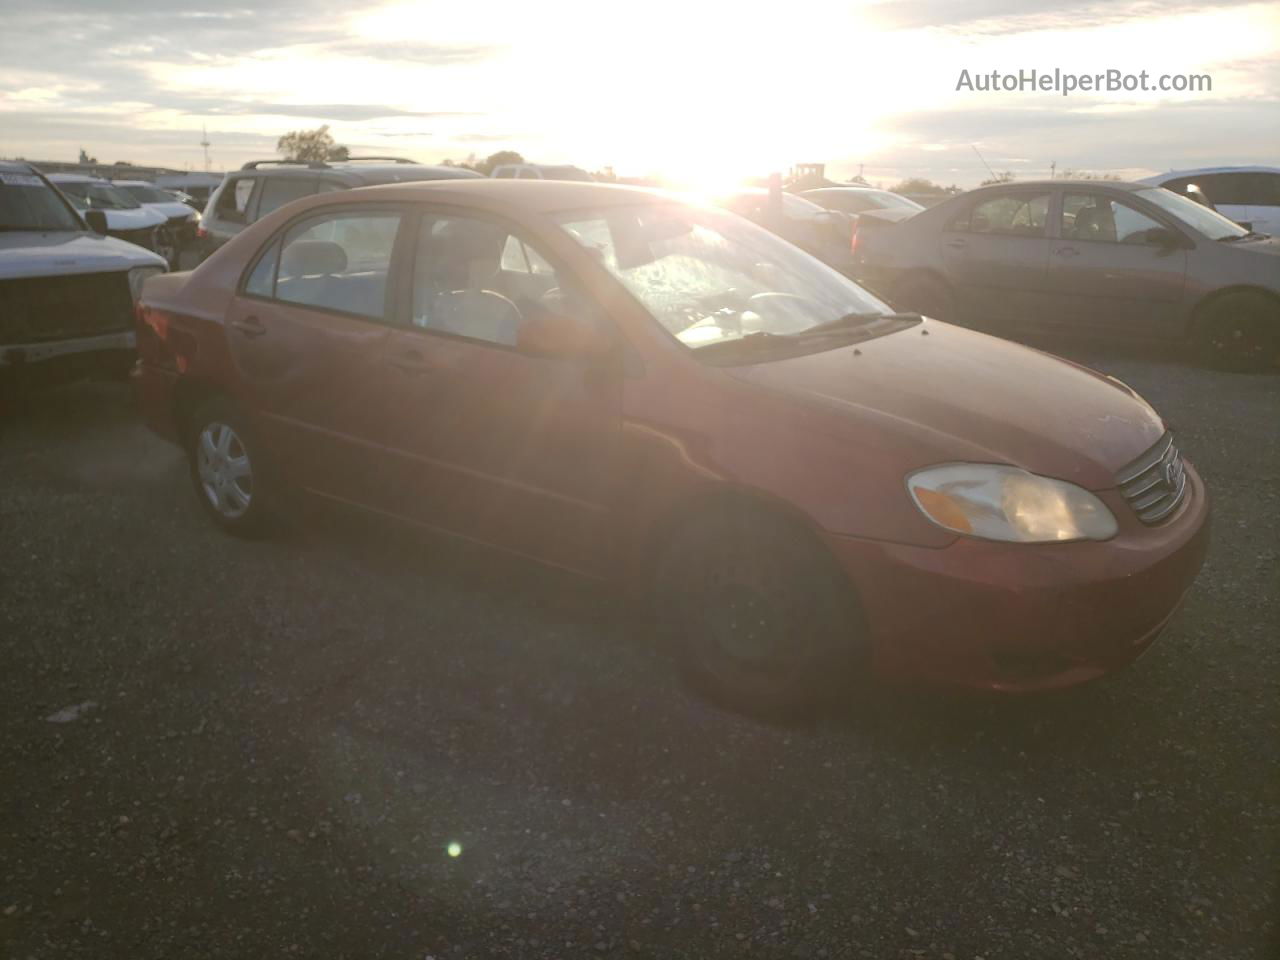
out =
column 1164, row 238
column 97, row 221
column 560, row 336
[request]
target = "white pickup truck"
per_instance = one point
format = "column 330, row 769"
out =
column 66, row 290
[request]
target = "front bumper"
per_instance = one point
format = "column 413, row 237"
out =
column 25, row 354
column 1026, row 617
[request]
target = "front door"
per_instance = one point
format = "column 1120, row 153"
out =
column 994, row 256
column 306, row 336
column 1112, row 270
column 487, row 442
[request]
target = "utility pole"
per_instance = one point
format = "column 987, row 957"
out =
column 204, row 142
column 1053, row 168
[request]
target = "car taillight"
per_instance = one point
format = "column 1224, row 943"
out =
column 201, row 232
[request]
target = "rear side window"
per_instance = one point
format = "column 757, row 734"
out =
column 338, row 262
column 1231, row 188
column 277, row 191
column 262, row 281
column 1009, row 214
column 233, row 201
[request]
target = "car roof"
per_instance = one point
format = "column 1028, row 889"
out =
column 1203, row 171
column 357, row 173
column 75, row 178
column 861, row 187
column 16, row 166
column 1123, row 185
column 135, row 183
column 529, row 196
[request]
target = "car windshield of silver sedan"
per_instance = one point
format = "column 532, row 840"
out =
column 28, row 203
column 1208, row 222
column 712, row 278
column 99, row 196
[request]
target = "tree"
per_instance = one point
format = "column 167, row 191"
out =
column 310, row 146
column 486, row 165
column 917, row 185
column 1069, row 174
column 1005, row 176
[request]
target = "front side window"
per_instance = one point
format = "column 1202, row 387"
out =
column 474, row 278
column 28, row 203
column 709, row 277
column 337, row 262
column 1088, row 216
column 1010, row 214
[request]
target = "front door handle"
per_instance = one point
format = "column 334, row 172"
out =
column 1067, row 252
column 249, row 326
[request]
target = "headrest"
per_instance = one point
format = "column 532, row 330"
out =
column 467, row 240
column 306, row 258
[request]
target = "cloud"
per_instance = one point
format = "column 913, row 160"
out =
column 1016, row 16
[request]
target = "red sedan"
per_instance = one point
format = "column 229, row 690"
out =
column 632, row 387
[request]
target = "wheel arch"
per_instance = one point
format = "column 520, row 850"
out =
column 1199, row 312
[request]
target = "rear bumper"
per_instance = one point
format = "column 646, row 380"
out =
column 1026, row 617
column 155, row 389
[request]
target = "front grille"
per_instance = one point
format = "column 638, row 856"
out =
column 1156, row 482
column 37, row 309
column 145, row 237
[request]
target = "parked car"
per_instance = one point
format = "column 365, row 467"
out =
column 826, row 234
column 181, row 219
column 1087, row 257
column 1248, row 195
column 539, row 171
column 66, row 291
column 614, row 382
column 261, row 186
column 197, row 186
column 127, row 219
column 866, row 207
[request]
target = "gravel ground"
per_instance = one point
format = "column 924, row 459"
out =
column 271, row 747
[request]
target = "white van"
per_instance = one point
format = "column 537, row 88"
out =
column 127, row 219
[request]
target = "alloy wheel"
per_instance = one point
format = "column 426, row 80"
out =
column 226, row 475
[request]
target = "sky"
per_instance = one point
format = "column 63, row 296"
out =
column 698, row 91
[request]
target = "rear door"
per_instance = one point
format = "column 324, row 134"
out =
column 306, row 335
column 487, row 442
column 1108, row 272
column 995, row 254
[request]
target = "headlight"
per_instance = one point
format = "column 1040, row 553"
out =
column 1005, row 503
column 138, row 276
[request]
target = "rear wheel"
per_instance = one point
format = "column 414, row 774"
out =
column 1241, row 331
column 760, row 616
column 227, row 469
column 929, row 296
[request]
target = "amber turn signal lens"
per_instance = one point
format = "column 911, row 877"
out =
column 942, row 509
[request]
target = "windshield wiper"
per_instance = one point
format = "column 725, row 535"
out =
column 753, row 340
column 1236, row 237
column 855, row 321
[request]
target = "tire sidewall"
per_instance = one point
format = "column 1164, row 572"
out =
column 1224, row 310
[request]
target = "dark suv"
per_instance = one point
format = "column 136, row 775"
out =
column 262, row 186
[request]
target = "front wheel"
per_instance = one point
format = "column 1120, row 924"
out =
column 227, row 469
column 760, row 616
column 1241, row 331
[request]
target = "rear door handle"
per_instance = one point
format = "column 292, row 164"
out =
column 1067, row 252
column 249, row 326
column 410, row 361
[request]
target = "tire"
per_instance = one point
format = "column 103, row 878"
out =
column 929, row 296
column 228, row 469
column 1240, row 331
column 760, row 617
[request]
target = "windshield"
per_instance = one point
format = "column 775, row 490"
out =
column 885, row 200
column 28, row 203
column 1201, row 219
column 146, row 194
column 710, row 277
column 98, row 196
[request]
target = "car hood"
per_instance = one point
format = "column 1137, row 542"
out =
column 1267, row 247
column 952, row 394
column 170, row 208
column 33, row 254
column 137, row 219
